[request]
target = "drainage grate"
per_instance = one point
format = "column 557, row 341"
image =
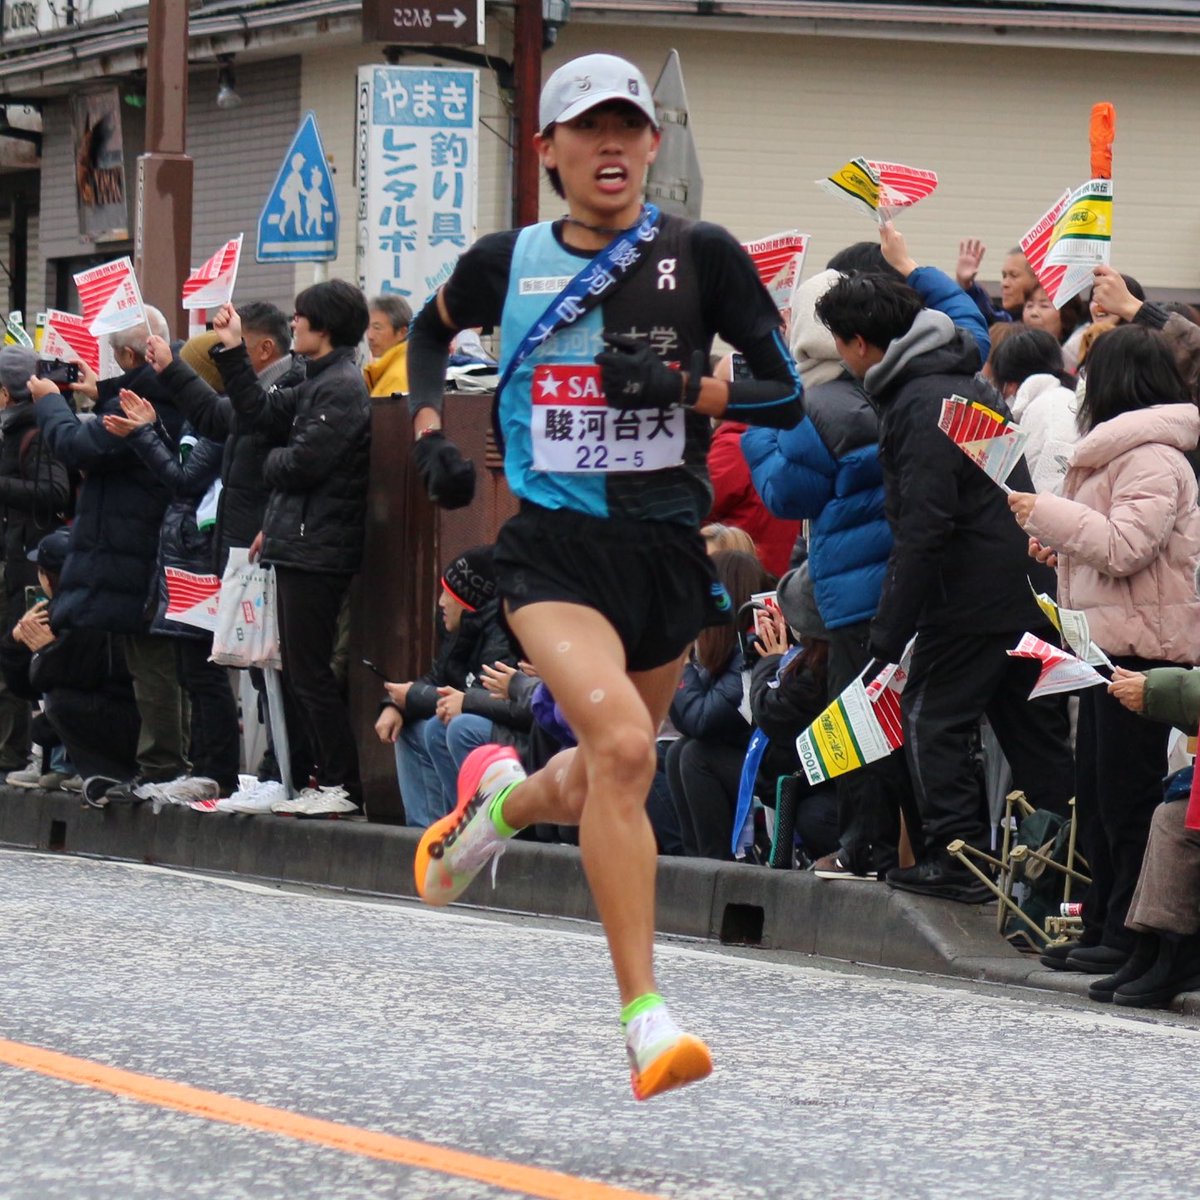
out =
column 742, row 924
column 58, row 836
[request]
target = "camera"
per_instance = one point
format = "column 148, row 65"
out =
column 58, row 372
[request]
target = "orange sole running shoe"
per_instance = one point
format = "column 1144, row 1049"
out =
column 685, row 1061
column 455, row 849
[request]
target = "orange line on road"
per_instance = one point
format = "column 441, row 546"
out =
column 214, row 1106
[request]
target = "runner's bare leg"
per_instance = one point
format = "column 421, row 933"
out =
column 603, row 784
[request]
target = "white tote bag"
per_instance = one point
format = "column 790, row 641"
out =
column 247, row 633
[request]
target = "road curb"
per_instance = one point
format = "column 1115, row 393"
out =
column 731, row 903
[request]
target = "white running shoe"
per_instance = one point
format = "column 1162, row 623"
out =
column 318, row 802
column 254, row 798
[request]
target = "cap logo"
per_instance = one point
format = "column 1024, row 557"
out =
column 633, row 87
column 584, row 83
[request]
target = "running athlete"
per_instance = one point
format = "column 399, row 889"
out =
column 606, row 317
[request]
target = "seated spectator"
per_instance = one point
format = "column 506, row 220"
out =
column 189, row 474
column 718, row 537
column 314, row 527
column 704, row 765
column 387, row 339
column 34, row 497
column 474, row 639
column 1164, row 914
column 788, row 691
column 80, row 674
column 1027, row 370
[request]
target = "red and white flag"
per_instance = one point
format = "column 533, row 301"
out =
column 211, row 285
column 66, row 337
column 1061, row 672
column 191, row 598
column 992, row 442
column 901, row 186
column 111, row 298
column 779, row 260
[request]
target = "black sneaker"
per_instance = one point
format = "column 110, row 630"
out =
column 941, row 878
column 140, row 787
column 96, row 790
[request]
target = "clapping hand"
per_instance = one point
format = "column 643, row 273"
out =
column 138, row 412
column 33, row 629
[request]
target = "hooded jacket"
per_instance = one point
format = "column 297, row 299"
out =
column 1127, row 532
column 826, row 469
column 1046, row 411
column 388, row 374
column 960, row 561
column 244, row 490
column 315, row 519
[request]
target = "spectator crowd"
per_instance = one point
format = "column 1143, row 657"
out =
column 858, row 538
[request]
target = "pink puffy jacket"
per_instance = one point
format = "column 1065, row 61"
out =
column 1127, row 532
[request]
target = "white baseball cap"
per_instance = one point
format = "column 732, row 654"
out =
column 585, row 82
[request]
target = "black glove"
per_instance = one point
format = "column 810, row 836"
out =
column 448, row 477
column 633, row 376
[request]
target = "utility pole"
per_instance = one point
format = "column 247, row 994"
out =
column 163, row 219
column 527, row 79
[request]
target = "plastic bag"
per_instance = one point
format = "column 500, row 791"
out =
column 247, row 633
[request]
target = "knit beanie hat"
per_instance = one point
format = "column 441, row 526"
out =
column 17, row 364
column 195, row 353
column 799, row 605
column 471, row 578
column 811, row 343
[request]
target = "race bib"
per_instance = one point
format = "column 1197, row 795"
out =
column 575, row 432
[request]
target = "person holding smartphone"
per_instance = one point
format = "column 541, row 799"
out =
column 34, row 494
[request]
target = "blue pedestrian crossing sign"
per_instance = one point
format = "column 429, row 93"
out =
column 299, row 222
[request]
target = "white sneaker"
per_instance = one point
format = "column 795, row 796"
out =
column 29, row 778
column 254, row 797
column 317, row 802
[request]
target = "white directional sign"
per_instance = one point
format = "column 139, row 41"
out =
column 299, row 222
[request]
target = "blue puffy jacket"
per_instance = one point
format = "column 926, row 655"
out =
column 826, row 470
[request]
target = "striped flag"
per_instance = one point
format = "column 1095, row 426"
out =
column 1061, row 672
column 992, row 442
column 192, row 598
column 211, row 285
column 779, row 261
column 861, row 726
column 110, row 297
column 883, row 188
column 66, row 337
column 1070, row 238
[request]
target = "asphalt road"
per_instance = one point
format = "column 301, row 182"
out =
column 389, row 1051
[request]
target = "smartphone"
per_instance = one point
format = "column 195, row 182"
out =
column 34, row 595
column 366, row 662
column 58, row 372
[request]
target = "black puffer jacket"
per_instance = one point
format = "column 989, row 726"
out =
column 960, row 561
column 244, row 490
column 480, row 640
column 109, row 576
column 316, row 515
column 34, row 492
column 84, row 660
column 181, row 543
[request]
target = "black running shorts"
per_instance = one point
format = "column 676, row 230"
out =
column 653, row 580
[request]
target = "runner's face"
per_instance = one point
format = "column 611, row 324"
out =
column 1016, row 281
column 601, row 157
